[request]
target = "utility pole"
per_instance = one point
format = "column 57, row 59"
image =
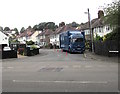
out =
column 91, row 32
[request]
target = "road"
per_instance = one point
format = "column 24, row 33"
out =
column 57, row 71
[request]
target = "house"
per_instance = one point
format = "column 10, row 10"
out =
column 22, row 38
column 28, row 35
column 54, row 37
column 33, row 36
column 10, row 33
column 85, row 27
column 4, row 39
column 99, row 27
column 41, row 38
column 44, row 37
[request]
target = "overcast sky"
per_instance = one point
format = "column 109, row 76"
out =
column 22, row 13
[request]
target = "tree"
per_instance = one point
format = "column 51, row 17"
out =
column 1, row 28
column 30, row 42
column 42, row 25
column 17, row 33
column 45, row 25
column 74, row 24
column 6, row 29
column 112, row 13
column 35, row 27
column 50, row 25
column 22, row 30
column 29, row 27
column 61, row 24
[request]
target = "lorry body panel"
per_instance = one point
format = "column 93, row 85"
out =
column 72, row 41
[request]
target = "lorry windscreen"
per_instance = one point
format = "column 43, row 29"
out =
column 77, row 40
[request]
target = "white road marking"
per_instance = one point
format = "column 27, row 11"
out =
column 65, row 66
column 74, row 82
column 7, row 67
column 76, row 66
column 88, row 66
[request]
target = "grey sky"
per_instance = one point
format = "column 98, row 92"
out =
column 19, row 13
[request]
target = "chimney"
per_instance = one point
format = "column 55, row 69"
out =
column 100, row 13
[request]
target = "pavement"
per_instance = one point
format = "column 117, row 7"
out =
column 21, row 56
column 89, row 55
column 94, row 56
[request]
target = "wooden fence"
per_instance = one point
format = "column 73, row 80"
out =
column 103, row 48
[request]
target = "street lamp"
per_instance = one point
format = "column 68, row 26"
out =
column 90, row 29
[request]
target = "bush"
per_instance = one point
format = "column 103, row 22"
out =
column 30, row 42
column 87, row 44
column 50, row 46
column 98, row 38
column 114, row 35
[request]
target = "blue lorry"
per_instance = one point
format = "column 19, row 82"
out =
column 72, row 41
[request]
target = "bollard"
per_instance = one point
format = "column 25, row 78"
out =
column 57, row 50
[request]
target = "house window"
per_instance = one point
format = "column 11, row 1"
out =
column 85, row 32
column 107, row 28
column 95, row 30
column 88, row 32
column 100, row 30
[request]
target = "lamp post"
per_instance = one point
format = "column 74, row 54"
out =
column 90, row 29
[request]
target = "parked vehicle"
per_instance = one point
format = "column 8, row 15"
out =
column 72, row 41
column 7, row 52
column 7, row 49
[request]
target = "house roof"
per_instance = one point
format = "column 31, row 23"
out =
column 99, row 22
column 4, row 34
column 46, row 32
column 59, row 30
column 86, row 25
column 64, row 28
column 27, row 32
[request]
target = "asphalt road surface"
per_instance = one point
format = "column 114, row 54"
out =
column 57, row 71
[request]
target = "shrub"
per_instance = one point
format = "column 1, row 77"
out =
column 30, row 42
column 50, row 46
column 114, row 35
column 98, row 38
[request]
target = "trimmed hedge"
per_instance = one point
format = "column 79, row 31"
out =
column 29, row 52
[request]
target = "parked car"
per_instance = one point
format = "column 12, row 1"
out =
column 6, row 49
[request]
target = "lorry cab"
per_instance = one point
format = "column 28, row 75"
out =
column 77, row 42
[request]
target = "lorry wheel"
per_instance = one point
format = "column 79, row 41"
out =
column 64, row 50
